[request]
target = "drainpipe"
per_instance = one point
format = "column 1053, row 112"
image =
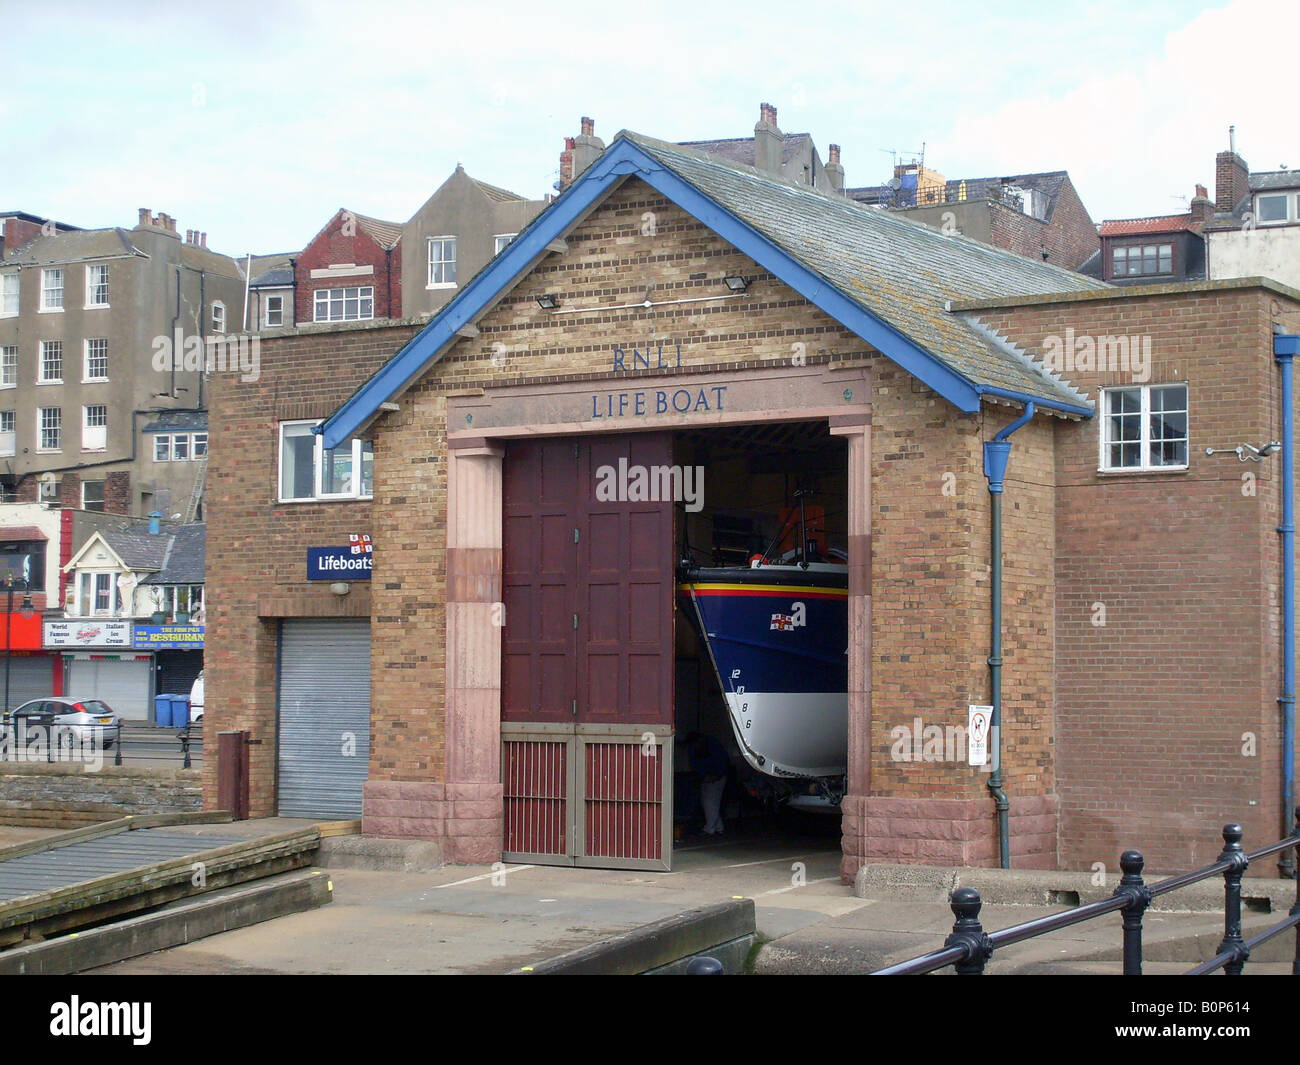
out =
column 1285, row 347
column 996, row 454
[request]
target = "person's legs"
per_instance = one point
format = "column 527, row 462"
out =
column 711, row 799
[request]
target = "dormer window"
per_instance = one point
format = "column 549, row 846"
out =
column 1136, row 260
column 1274, row 208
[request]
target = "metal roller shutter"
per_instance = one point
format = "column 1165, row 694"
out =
column 324, row 705
column 125, row 684
column 30, row 677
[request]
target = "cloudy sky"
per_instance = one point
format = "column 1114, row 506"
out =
column 255, row 121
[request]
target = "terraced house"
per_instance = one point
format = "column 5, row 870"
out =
column 449, row 632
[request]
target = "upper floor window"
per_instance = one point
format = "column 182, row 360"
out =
column 9, row 294
column 97, row 594
column 502, row 239
column 1276, row 207
column 1139, row 259
column 50, row 429
column 97, row 360
column 218, row 317
column 51, row 368
column 8, row 366
column 97, row 286
column 308, row 471
column 94, row 427
column 442, row 262
column 8, row 435
column 1144, row 428
column 52, row 289
column 344, row 304
column 273, row 312
column 92, row 495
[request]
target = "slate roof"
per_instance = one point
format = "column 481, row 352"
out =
column 1263, row 180
column 280, row 277
column 169, row 421
column 493, row 192
column 138, row 550
column 741, row 149
column 81, row 245
column 897, row 269
column 184, row 560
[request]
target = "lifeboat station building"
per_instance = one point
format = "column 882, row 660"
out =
column 1056, row 498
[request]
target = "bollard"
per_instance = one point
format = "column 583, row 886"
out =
column 1233, row 852
column 1295, row 962
column 117, row 747
column 1131, row 884
column 967, row 932
column 184, row 737
column 703, row 966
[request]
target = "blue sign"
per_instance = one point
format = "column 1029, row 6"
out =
column 339, row 563
column 168, row 637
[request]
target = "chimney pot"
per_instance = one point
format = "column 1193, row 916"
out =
column 767, row 114
column 835, row 153
column 588, row 127
column 146, row 216
column 1201, row 193
column 203, row 240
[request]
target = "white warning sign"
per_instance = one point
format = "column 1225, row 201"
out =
column 977, row 734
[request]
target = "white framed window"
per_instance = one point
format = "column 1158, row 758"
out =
column 308, row 471
column 9, row 366
column 92, row 495
column 8, row 433
column 180, row 447
column 96, row 286
column 51, row 368
column 52, row 289
column 218, row 317
column 49, row 434
column 96, row 368
column 9, row 294
column 199, row 450
column 1272, row 208
column 344, row 304
column 501, row 240
column 273, row 312
column 1144, row 428
column 97, row 593
column 162, row 448
column 442, row 262
column 94, row 427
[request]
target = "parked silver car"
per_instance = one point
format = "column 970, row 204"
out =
column 85, row 718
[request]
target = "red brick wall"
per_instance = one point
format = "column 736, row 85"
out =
column 344, row 240
column 1152, row 705
column 1070, row 237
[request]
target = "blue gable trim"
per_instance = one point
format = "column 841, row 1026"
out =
column 625, row 157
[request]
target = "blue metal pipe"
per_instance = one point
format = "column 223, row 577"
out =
column 996, row 454
column 1285, row 347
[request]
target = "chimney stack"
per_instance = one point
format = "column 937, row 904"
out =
column 834, row 171
column 767, row 141
column 203, row 240
column 566, row 164
column 146, row 216
column 1202, row 209
column 586, row 146
column 1231, row 176
column 189, row 236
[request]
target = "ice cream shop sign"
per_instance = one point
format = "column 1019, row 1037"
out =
column 87, row 634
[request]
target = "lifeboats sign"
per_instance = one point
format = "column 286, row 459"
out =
column 339, row 564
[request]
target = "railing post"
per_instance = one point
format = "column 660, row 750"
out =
column 1295, row 963
column 1233, row 852
column 967, row 932
column 117, row 747
column 1139, row 897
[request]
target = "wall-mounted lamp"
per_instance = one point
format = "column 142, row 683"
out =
column 1248, row 451
column 340, row 588
column 548, row 302
column 735, row 283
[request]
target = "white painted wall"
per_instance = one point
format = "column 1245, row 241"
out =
column 1261, row 252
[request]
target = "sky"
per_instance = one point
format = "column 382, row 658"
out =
column 256, row 121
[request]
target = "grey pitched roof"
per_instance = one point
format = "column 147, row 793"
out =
column 386, row 234
column 138, row 550
column 897, row 269
column 741, row 149
column 185, row 557
column 169, row 421
column 78, row 246
column 1263, row 180
column 280, row 277
column 495, row 193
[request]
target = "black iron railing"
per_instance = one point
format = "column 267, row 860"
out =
column 969, row 948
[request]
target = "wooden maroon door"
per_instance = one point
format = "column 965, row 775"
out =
column 587, row 651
